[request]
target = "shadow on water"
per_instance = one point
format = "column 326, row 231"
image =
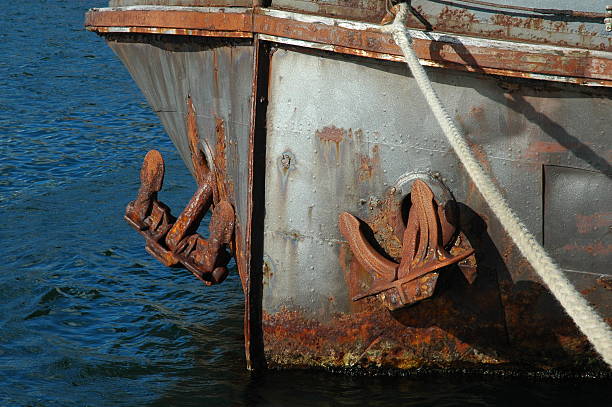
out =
column 321, row 388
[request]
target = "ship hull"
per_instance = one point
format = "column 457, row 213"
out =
column 311, row 130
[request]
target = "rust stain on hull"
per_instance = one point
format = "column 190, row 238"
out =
column 597, row 249
column 368, row 165
column 372, row 338
column 200, row 167
column 460, row 332
column 331, row 133
column 535, row 30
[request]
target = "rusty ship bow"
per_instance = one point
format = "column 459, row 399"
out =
column 360, row 240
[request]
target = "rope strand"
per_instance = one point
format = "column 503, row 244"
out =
column 587, row 320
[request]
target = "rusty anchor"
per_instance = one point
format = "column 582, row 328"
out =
column 174, row 241
column 424, row 238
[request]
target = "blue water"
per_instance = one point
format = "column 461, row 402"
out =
column 87, row 318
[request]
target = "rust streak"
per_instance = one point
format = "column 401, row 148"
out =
column 198, row 159
column 219, row 158
column 177, row 31
column 367, row 166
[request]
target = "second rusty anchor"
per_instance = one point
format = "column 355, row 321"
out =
column 174, row 241
column 424, row 239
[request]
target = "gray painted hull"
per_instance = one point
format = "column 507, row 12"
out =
column 311, row 133
column 546, row 147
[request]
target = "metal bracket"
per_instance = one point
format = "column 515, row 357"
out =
column 424, row 238
column 608, row 19
column 174, row 241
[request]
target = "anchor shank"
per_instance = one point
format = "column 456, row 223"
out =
column 188, row 221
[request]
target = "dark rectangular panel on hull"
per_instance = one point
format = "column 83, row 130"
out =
column 578, row 218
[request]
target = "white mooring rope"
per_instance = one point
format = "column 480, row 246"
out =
column 589, row 322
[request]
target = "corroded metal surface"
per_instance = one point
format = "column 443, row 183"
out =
column 495, row 57
column 536, row 10
column 583, row 29
column 198, row 159
column 194, row 19
column 151, row 182
column 356, row 145
column 364, row 10
column 202, row 92
column 174, row 241
column 182, row 3
column 427, row 335
column 444, row 49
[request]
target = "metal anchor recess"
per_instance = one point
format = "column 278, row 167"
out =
column 423, row 252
